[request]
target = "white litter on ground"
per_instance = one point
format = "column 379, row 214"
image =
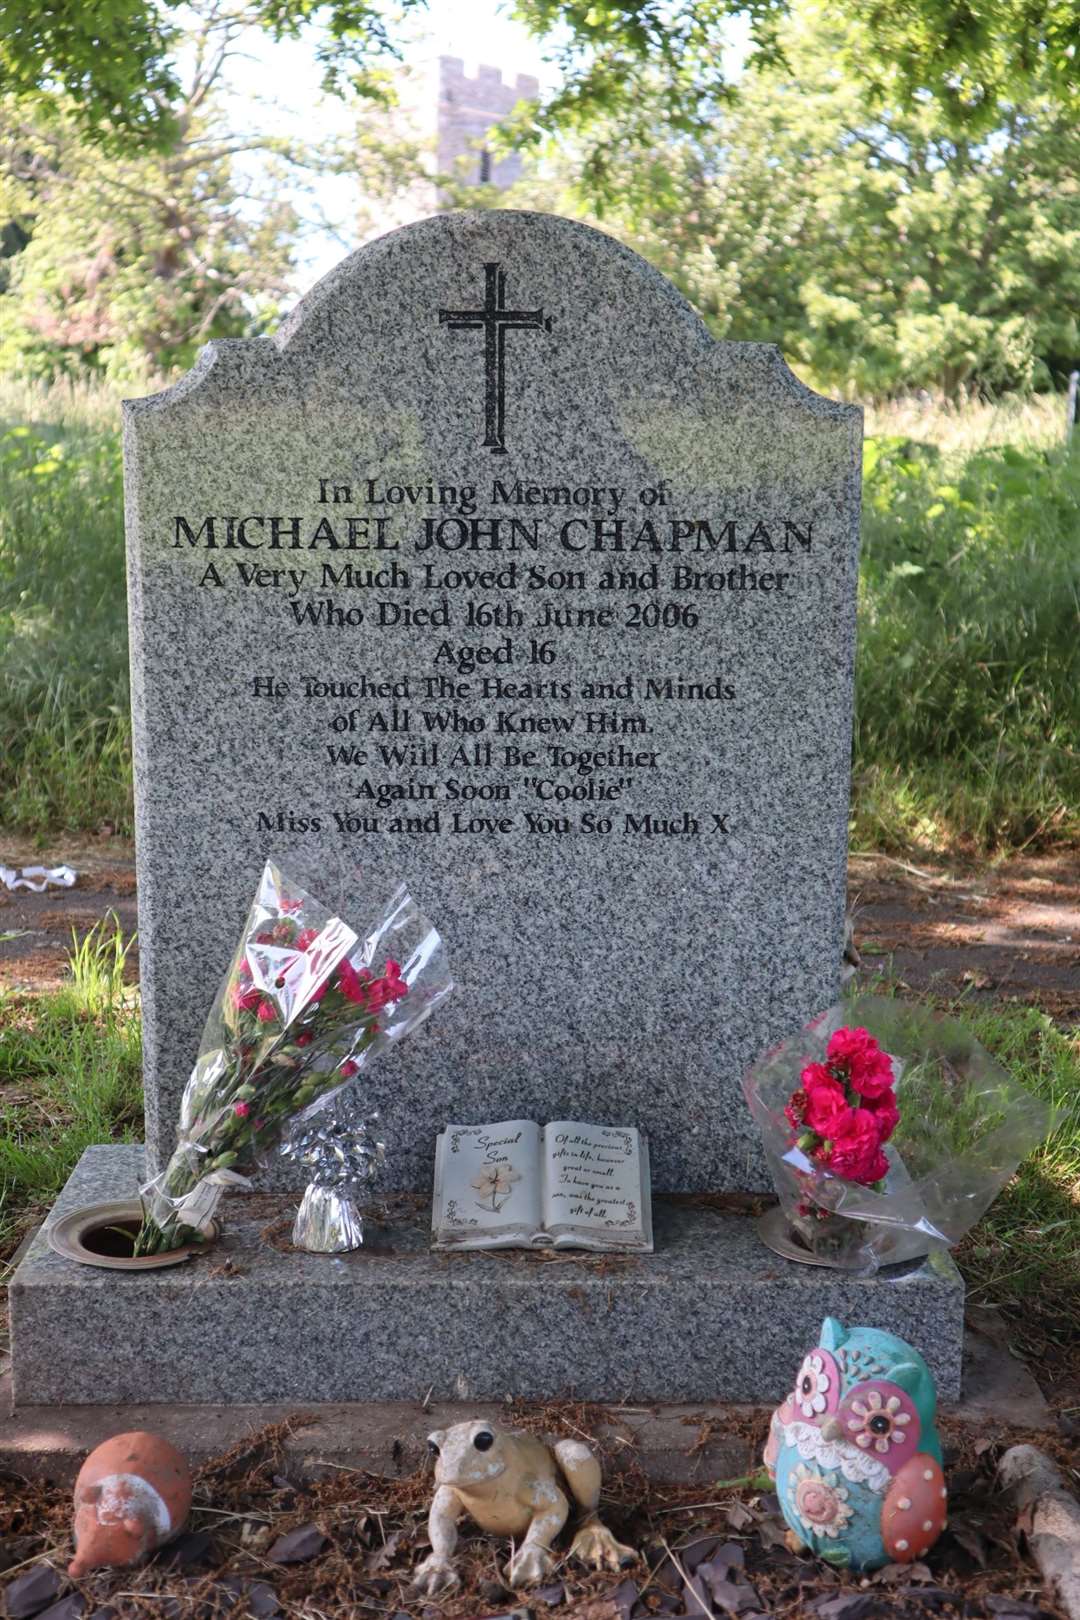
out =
column 38, row 878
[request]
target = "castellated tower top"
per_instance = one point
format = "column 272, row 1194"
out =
column 468, row 108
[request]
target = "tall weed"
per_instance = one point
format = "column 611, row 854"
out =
column 968, row 697
column 65, row 760
column 70, row 1075
column 968, row 669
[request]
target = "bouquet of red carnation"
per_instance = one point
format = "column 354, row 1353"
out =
column 305, row 1005
column 888, row 1131
column 845, row 1108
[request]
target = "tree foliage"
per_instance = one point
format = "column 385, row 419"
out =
column 128, row 263
column 114, row 59
column 973, row 58
column 883, row 249
column 111, row 63
column 107, row 62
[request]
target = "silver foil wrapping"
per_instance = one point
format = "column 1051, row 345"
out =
column 338, row 1148
column 327, row 1222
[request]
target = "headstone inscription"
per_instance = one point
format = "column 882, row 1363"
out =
column 494, row 572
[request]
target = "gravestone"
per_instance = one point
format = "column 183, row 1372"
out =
column 494, row 573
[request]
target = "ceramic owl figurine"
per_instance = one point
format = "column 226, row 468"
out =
column 855, row 1454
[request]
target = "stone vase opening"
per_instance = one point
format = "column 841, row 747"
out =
column 104, row 1235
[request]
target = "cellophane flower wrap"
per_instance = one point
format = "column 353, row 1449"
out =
column 962, row 1125
column 305, row 1006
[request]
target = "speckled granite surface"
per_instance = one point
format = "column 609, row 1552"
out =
column 607, row 661
column 712, row 1315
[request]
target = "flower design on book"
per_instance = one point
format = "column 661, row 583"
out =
column 494, row 1182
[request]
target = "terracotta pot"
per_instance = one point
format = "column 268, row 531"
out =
column 132, row 1495
column 103, row 1235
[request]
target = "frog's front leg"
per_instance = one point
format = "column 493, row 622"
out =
column 594, row 1543
column 437, row 1572
column 533, row 1559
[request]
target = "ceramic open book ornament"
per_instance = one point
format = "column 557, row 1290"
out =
column 888, row 1131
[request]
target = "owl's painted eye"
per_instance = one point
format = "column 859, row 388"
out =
column 817, row 1387
column 881, row 1419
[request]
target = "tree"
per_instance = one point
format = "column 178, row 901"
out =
column 130, row 263
column 972, row 58
column 111, row 63
column 881, row 248
column 113, row 58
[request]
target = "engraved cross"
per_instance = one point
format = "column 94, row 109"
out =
column 495, row 320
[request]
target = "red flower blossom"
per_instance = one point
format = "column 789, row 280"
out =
column 242, row 1109
column 856, row 1153
column 795, row 1112
column 306, row 937
column 354, row 986
column 304, row 1038
column 348, row 1069
column 828, row 1111
column 246, row 999
column 868, row 1069
column 267, row 1012
column 886, row 1114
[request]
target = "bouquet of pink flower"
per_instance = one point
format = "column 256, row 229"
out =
column 845, row 1108
column 304, row 1007
column 888, row 1130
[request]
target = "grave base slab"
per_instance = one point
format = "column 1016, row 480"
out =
column 711, row 1316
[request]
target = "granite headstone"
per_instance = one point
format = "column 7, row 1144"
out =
column 493, row 572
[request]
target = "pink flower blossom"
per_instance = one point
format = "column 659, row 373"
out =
column 242, row 1109
column 306, row 937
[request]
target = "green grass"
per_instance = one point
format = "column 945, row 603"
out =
column 968, row 669
column 968, row 674
column 66, row 755
column 70, row 1075
column 1025, row 1255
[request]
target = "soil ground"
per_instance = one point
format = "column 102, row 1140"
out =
column 264, row 1543
column 1008, row 931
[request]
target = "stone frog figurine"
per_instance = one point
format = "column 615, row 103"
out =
column 512, row 1484
column 132, row 1495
